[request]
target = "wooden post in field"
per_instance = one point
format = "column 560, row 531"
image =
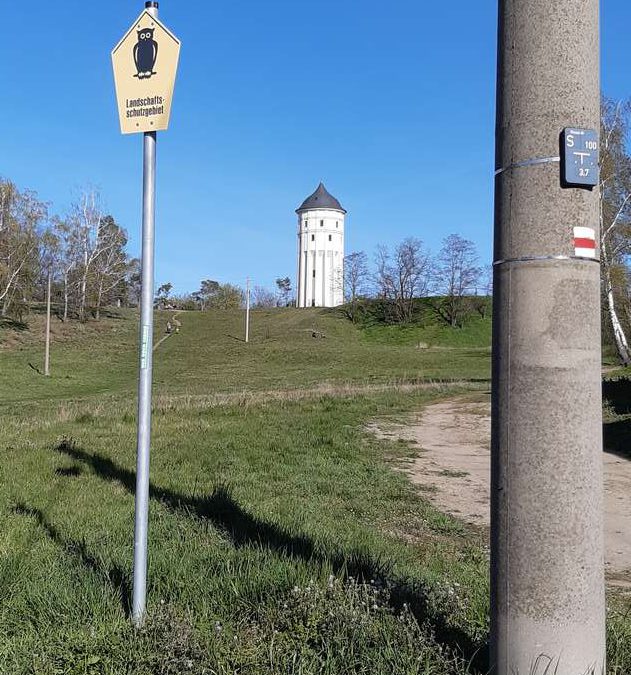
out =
column 47, row 350
column 247, row 310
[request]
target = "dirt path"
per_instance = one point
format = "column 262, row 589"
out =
column 168, row 335
column 454, row 461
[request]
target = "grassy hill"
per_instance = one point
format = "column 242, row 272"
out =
column 282, row 539
column 209, row 354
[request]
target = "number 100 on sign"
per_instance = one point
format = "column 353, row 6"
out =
column 580, row 157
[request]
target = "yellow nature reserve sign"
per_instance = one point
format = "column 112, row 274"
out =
column 145, row 64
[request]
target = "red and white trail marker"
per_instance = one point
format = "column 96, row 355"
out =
column 584, row 242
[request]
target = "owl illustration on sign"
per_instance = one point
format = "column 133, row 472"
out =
column 145, row 54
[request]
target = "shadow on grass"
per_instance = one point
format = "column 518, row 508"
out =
column 245, row 529
column 13, row 324
column 617, row 433
column 68, row 471
column 618, row 395
column 37, row 369
column 113, row 575
column 617, row 438
column 110, row 313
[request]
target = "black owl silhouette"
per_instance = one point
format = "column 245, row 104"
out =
column 145, row 54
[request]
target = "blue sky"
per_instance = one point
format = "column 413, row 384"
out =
column 390, row 104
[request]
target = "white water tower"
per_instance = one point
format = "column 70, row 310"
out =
column 320, row 251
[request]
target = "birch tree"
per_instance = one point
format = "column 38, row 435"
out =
column 68, row 260
column 21, row 217
column 90, row 263
column 88, row 222
column 615, row 216
column 111, row 264
column 89, row 239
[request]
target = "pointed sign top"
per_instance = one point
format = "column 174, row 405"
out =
column 145, row 65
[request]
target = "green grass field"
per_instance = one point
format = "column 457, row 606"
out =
column 282, row 538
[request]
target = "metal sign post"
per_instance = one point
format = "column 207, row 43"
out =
column 145, row 379
column 145, row 63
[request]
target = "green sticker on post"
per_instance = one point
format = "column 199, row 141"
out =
column 144, row 347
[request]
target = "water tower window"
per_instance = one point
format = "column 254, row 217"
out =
column 313, row 273
column 336, row 223
column 329, row 237
column 321, row 223
column 313, row 237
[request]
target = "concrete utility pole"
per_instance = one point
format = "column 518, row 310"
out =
column 247, row 310
column 547, row 601
column 47, row 349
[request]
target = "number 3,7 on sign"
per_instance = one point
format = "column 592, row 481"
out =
column 580, row 157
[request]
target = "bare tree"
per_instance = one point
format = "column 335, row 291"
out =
column 615, row 215
column 484, row 290
column 263, row 298
column 356, row 275
column 403, row 276
column 487, row 280
column 457, row 276
column 355, row 280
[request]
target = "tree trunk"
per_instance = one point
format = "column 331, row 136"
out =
column 98, row 301
column 84, row 286
column 65, row 296
column 622, row 344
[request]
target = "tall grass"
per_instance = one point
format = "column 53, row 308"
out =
column 281, row 540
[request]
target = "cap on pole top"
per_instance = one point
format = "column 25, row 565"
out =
column 149, row 3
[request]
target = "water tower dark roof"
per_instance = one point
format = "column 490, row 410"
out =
column 320, row 199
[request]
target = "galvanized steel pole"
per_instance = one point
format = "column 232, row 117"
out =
column 547, row 596
column 145, row 377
